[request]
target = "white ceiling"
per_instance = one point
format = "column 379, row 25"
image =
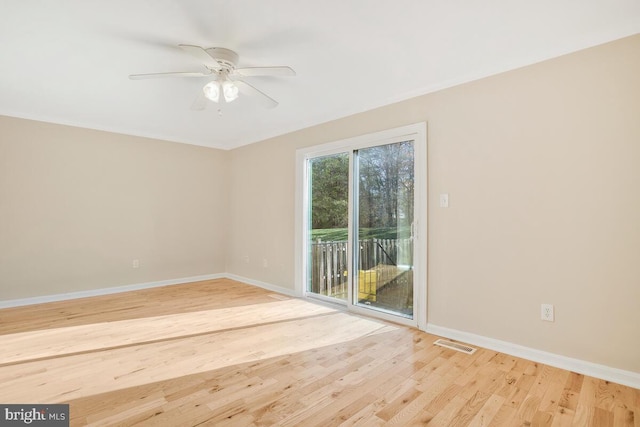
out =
column 68, row 61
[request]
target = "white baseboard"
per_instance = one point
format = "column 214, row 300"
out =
column 137, row 286
column 628, row 378
column 105, row 291
column 264, row 285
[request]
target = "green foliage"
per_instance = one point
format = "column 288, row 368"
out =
column 329, row 234
column 386, row 185
column 329, row 191
column 385, row 188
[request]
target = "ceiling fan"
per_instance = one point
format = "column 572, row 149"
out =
column 228, row 81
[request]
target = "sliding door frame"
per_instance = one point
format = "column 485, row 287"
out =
column 418, row 134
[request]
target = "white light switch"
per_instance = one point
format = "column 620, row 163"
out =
column 444, row 200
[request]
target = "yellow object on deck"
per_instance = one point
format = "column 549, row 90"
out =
column 367, row 285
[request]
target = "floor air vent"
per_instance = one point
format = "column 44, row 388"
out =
column 455, row 346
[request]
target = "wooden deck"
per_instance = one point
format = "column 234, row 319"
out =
column 225, row 353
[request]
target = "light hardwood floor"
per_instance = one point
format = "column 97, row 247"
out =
column 224, row 353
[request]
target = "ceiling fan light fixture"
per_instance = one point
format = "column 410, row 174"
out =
column 229, row 90
column 212, row 91
column 221, row 65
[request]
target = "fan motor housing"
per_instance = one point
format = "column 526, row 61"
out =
column 226, row 57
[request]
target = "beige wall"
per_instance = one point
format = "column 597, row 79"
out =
column 542, row 166
column 77, row 206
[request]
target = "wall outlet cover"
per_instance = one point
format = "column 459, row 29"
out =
column 546, row 312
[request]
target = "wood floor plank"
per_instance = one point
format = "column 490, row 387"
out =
column 365, row 417
column 220, row 352
column 504, row 417
column 488, row 411
column 563, row 417
column 448, row 412
column 623, row 417
column 469, row 410
column 571, row 392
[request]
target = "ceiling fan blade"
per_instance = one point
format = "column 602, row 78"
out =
column 200, row 103
column 248, row 90
column 160, row 75
column 265, row 71
column 202, row 55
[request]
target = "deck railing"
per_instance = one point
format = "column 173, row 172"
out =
column 375, row 256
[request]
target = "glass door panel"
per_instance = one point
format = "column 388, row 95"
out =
column 327, row 228
column 383, row 221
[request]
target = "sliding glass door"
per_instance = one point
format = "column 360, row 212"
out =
column 328, row 208
column 383, row 220
column 360, row 203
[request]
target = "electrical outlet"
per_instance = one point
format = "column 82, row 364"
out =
column 135, row 263
column 265, row 263
column 546, row 312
